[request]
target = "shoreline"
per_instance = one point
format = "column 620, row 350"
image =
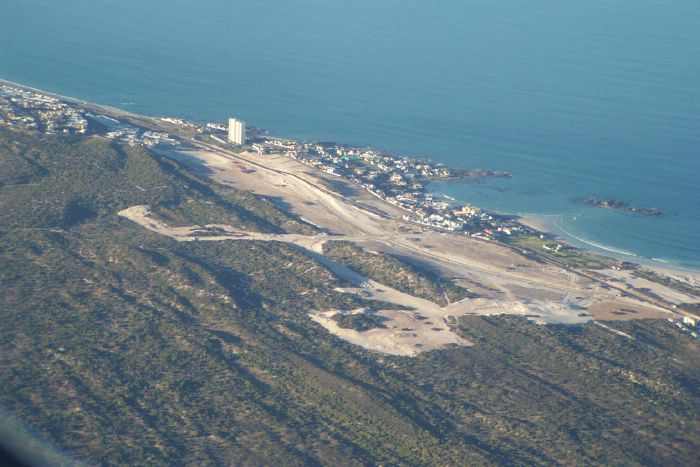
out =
column 551, row 224
column 73, row 99
column 545, row 223
column 505, row 277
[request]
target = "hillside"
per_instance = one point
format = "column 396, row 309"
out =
column 123, row 346
column 397, row 273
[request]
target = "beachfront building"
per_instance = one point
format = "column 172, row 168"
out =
column 236, row 131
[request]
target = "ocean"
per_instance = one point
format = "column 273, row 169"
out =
column 576, row 99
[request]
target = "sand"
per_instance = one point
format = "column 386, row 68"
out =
column 507, row 282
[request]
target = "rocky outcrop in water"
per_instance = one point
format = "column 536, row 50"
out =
column 622, row 206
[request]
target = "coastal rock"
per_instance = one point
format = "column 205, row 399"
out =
column 482, row 173
column 622, row 206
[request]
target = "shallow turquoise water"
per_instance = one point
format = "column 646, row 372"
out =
column 576, row 99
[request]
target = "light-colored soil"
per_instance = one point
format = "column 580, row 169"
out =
column 624, row 310
column 629, row 280
column 405, row 334
column 506, row 282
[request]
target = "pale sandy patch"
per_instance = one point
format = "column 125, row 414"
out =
column 404, row 335
column 506, row 282
column 625, row 310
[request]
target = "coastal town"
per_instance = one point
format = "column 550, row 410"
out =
column 398, row 180
column 36, row 111
column 50, row 115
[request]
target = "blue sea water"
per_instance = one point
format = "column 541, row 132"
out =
column 575, row 98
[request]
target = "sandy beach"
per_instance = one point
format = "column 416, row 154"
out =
column 550, row 224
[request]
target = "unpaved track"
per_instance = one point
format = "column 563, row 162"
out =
column 506, row 282
column 407, row 332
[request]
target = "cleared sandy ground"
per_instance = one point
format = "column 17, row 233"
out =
column 627, row 279
column 407, row 332
column 507, row 282
column 405, row 335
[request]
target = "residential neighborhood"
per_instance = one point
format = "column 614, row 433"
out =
column 400, row 181
column 38, row 111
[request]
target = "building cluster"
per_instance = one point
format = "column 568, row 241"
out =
column 135, row 136
column 36, row 111
column 131, row 135
column 33, row 110
column 398, row 180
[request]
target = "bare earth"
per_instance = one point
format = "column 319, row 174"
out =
column 507, row 282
